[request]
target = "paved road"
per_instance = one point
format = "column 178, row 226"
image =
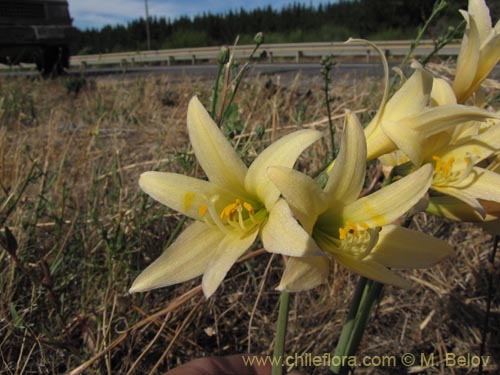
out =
column 209, row 71
column 286, row 71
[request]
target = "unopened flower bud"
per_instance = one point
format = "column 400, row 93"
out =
column 223, row 56
column 259, row 38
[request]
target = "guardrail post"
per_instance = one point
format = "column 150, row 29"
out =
column 368, row 53
column 270, row 57
column 124, row 65
column 193, row 59
column 298, row 55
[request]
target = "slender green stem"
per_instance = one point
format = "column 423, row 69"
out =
column 216, row 91
column 239, row 78
column 345, row 335
column 326, row 68
column 279, row 343
column 331, row 127
column 372, row 295
column 438, row 7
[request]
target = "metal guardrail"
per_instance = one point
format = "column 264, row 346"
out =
column 265, row 51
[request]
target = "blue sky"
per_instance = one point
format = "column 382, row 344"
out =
column 97, row 13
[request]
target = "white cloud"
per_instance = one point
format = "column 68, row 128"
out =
column 97, row 13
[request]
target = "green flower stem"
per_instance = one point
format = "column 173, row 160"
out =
column 279, row 342
column 342, row 345
column 373, row 292
column 216, row 91
column 365, row 297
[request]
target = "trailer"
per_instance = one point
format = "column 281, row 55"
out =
column 36, row 31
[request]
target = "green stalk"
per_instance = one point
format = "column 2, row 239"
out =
column 216, row 90
column 372, row 295
column 279, row 342
column 239, row 78
column 438, row 7
column 345, row 335
column 365, row 298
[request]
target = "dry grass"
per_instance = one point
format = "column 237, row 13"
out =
column 69, row 166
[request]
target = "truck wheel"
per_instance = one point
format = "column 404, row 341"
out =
column 54, row 60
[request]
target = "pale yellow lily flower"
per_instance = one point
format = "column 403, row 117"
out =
column 456, row 153
column 357, row 233
column 479, row 52
column 230, row 209
column 407, row 120
column 472, row 193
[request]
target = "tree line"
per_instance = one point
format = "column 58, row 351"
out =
column 297, row 22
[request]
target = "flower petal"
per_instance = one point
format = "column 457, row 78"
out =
column 453, row 208
column 284, row 152
column 215, row 154
column 372, row 270
column 380, row 112
column 304, row 273
column 390, row 202
column 282, row 234
column 226, row 254
column 479, row 11
column 411, row 98
column 346, row 179
column 400, row 247
column 468, row 59
column 488, row 58
column 462, row 195
column 492, row 227
column 411, row 137
column 185, row 259
column 442, row 93
column 303, row 194
column 181, row 193
column 482, row 184
column 478, row 148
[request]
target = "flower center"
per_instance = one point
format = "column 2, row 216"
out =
column 351, row 228
column 444, row 173
column 354, row 239
column 443, row 167
column 239, row 215
column 357, row 242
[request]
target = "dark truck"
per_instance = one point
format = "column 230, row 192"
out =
column 36, row 31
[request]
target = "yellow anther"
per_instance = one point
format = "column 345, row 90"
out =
column 443, row 167
column 438, row 161
column 248, row 207
column 351, row 228
column 364, row 226
column 188, row 200
column 342, row 233
column 230, row 210
column 202, row 210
